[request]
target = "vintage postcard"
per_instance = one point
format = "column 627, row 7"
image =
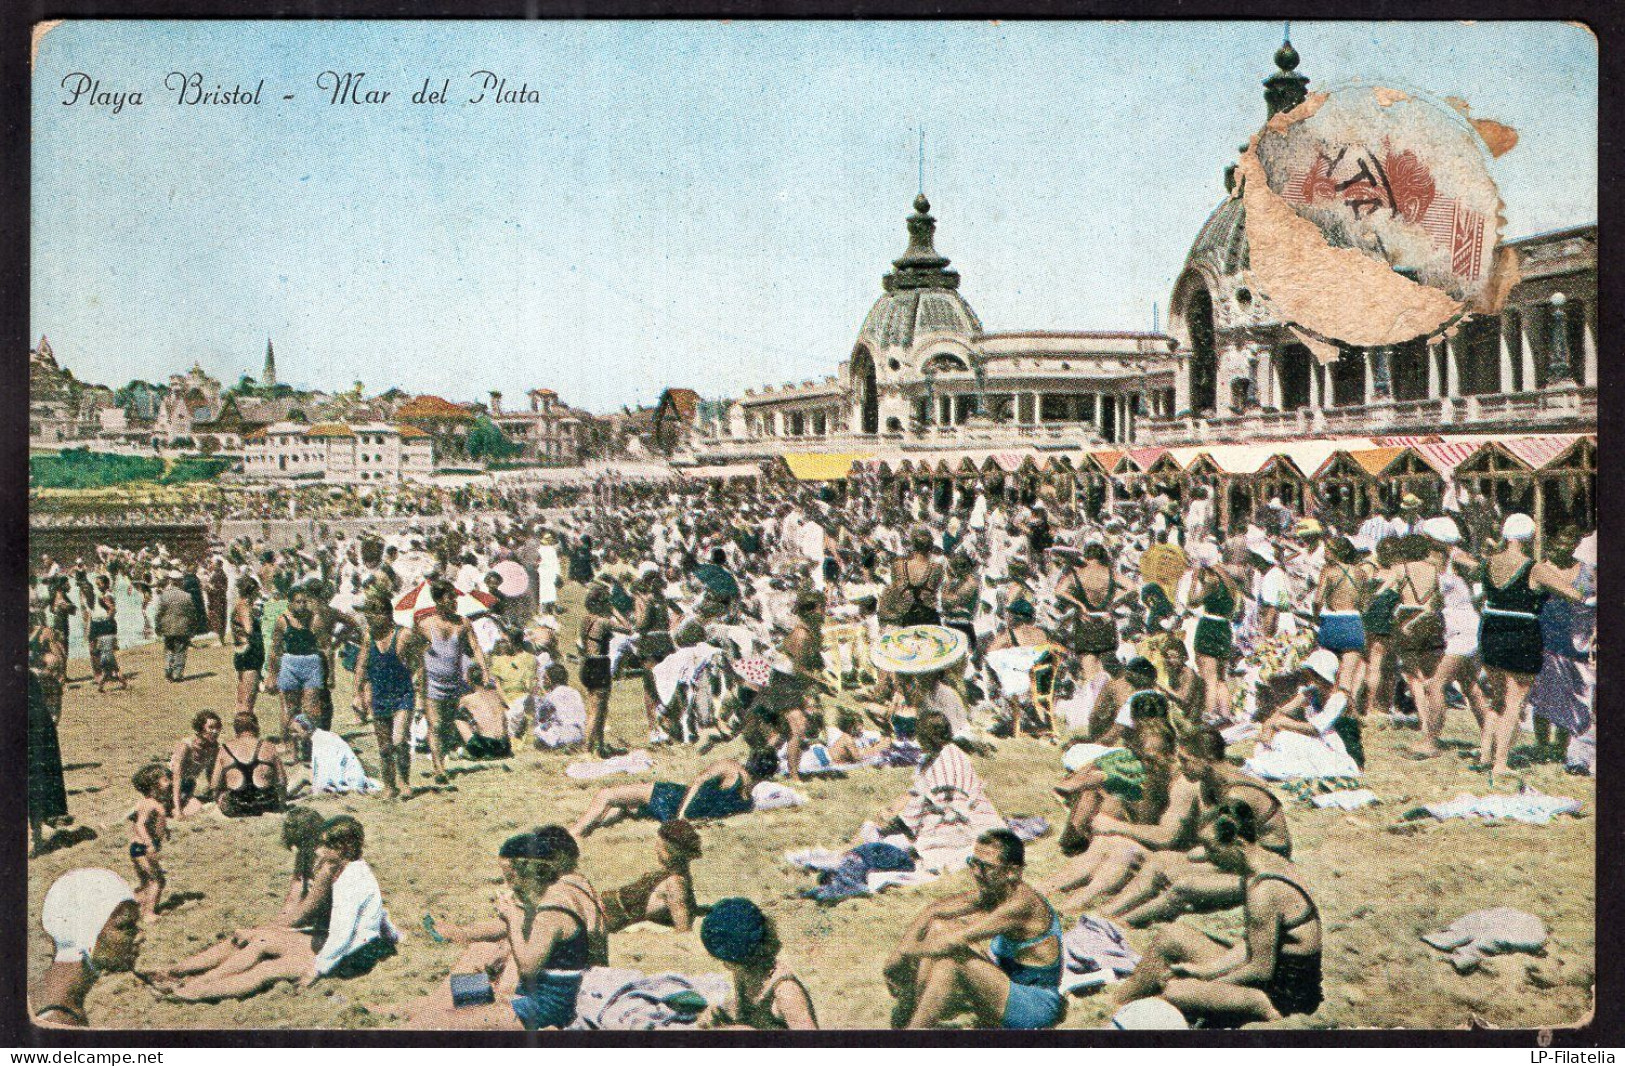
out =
column 697, row 525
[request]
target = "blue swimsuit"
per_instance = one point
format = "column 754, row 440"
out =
column 1035, row 991
column 548, row 998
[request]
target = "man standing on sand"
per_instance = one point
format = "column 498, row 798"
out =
column 175, row 619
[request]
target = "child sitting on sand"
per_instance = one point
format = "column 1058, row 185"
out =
column 149, row 826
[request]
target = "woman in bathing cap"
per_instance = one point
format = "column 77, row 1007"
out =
column 93, row 918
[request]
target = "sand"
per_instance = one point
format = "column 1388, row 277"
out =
column 1377, row 889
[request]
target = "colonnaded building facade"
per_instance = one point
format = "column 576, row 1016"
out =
column 924, row 376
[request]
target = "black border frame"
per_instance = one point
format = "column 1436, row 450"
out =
column 1605, row 20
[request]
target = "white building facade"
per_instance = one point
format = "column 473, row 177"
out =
column 374, row 453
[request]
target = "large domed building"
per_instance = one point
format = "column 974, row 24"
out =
column 1243, row 375
column 923, row 373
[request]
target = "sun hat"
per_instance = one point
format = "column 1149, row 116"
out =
column 1441, row 530
column 1518, row 527
column 1308, row 527
column 1410, row 502
column 1323, row 662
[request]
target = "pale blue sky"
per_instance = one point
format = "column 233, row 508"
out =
column 699, row 204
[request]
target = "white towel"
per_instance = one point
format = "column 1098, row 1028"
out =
column 633, row 762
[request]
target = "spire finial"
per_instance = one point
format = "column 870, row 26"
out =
column 1286, row 88
column 921, row 189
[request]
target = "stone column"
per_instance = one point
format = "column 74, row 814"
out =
column 1314, row 383
column 1367, row 357
column 1589, row 340
column 1506, row 357
column 1433, row 369
column 1452, row 366
column 1527, row 349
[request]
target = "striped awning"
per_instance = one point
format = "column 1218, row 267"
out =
column 1537, row 452
column 1446, row 456
column 1144, row 457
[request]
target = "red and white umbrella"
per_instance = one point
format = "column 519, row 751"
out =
column 515, row 581
column 417, row 603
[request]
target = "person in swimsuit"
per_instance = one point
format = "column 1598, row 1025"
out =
column 937, row 972
column 194, row 756
column 1113, row 835
column 1339, row 599
column 665, row 895
column 722, row 790
column 781, row 715
column 1091, row 590
column 303, row 915
column 1378, row 621
column 1510, row 642
column 101, row 612
column 385, row 674
column 248, row 643
column 447, row 640
column 1560, row 699
column 248, row 778
column 1213, row 589
column 767, row 995
column 1273, row 972
column 651, row 621
column 598, row 628
column 149, row 828
column 94, row 920
column 1459, row 663
column 916, row 579
column 1418, row 618
column 295, row 666
column 549, row 929
column 482, row 721
column 1181, row 881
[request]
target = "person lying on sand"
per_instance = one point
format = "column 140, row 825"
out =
column 767, row 995
column 723, row 789
column 548, row 930
column 304, row 910
column 666, row 894
column 359, row 933
column 1272, row 972
column 939, row 969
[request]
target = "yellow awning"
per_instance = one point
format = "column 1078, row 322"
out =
column 821, row 466
column 1376, row 460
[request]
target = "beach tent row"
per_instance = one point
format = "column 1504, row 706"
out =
column 1310, row 460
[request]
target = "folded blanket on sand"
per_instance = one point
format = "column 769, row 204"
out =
column 880, row 863
column 633, row 762
column 630, row 1000
column 772, row 796
column 1348, row 800
column 1499, row 931
column 1095, row 952
column 1536, row 808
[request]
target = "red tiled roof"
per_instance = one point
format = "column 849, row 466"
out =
column 427, row 407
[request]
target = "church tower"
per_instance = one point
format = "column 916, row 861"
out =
column 268, row 376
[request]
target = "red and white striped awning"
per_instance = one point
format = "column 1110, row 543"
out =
column 1444, row 457
column 1536, row 452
